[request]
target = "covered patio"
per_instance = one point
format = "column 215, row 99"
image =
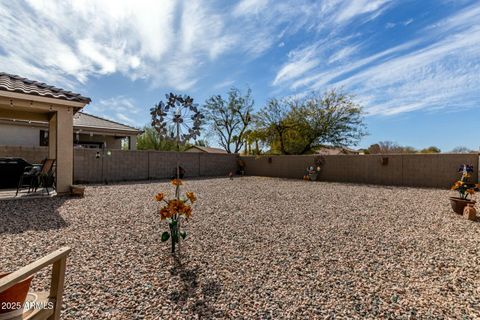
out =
column 24, row 99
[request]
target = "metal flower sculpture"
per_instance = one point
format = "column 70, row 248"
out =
column 180, row 111
column 187, row 119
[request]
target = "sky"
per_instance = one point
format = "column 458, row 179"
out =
column 413, row 65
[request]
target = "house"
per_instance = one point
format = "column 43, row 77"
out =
column 205, row 150
column 329, row 151
column 33, row 101
column 89, row 131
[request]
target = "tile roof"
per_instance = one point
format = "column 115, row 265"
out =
column 87, row 122
column 335, row 151
column 209, row 149
column 82, row 119
column 14, row 83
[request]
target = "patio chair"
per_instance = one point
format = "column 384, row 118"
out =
column 45, row 176
column 33, row 177
column 47, row 305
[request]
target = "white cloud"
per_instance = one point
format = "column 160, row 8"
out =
column 438, row 70
column 173, row 43
column 321, row 78
column 69, row 41
column 248, row 7
column 169, row 43
column 464, row 19
column 120, row 108
column 390, row 25
column 300, row 61
column 342, row 54
column 352, row 9
column 441, row 75
column 224, row 84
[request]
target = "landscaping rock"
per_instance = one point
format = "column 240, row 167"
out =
column 258, row 248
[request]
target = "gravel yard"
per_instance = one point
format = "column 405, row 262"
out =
column 257, row 248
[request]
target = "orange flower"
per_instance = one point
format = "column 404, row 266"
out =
column 187, row 211
column 176, row 205
column 177, row 182
column 191, row 196
column 457, row 185
column 470, row 191
column 165, row 213
column 160, row 196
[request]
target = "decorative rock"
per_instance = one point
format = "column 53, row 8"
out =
column 258, row 248
column 470, row 213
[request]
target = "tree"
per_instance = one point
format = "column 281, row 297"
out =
column 298, row 126
column 431, row 149
column 389, row 147
column 229, row 119
column 374, row 149
column 201, row 143
column 332, row 118
column 408, row 149
column 385, row 147
column 274, row 120
column 254, row 137
column 461, row 149
column 150, row 139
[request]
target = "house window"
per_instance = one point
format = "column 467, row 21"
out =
column 43, row 138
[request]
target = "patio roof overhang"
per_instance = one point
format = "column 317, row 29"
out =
column 58, row 112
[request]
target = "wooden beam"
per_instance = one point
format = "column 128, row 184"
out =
column 23, row 273
column 29, row 105
column 23, row 115
column 56, row 286
column 40, row 99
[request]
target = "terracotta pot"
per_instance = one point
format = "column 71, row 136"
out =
column 470, row 213
column 458, row 204
column 14, row 297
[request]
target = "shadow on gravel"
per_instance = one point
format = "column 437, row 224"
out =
column 18, row 216
column 202, row 293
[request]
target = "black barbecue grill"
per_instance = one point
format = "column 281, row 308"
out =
column 10, row 171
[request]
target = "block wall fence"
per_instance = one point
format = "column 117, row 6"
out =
column 132, row 165
column 145, row 165
column 416, row 170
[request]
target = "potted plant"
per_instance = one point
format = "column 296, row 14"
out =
column 465, row 190
column 13, row 298
column 313, row 173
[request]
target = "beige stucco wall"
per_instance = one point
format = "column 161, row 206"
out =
column 33, row 155
column 64, row 159
column 419, row 170
column 21, row 135
column 111, row 141
column 12, row 135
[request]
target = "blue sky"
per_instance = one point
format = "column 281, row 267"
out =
column 413, row 65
